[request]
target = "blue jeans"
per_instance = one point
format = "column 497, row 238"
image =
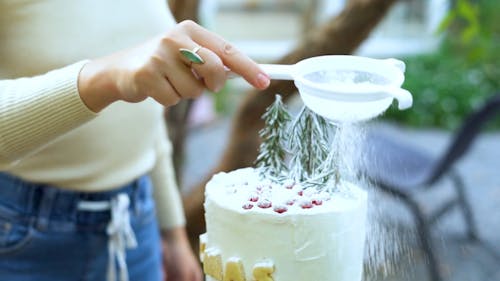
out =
column 46, row 235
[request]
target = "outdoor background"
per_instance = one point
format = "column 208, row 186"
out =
column 452, row 53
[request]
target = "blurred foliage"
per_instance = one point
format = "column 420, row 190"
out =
column 226, row 99
column 448, row 84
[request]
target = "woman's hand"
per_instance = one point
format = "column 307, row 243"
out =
column 179, row 262
column 156, row 69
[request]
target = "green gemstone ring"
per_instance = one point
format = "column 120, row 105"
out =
column 192, row 55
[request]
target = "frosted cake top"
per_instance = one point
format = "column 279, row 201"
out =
column 245, row 191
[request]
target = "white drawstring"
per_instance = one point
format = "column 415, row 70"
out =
column 119, row 230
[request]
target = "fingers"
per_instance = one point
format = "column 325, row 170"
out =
column 164, row 93
column 211, row 72
column 182, row 78
column 175, row 82
column 228, row 54
column 184, row 81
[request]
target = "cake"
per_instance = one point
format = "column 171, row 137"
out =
column 262, row 230
column 296, row 216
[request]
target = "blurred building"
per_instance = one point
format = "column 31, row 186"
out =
column 268, row 29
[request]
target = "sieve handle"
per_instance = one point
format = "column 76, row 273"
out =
column 405, row 100
column 278, row 71
column 275, row 71
column 396, row 63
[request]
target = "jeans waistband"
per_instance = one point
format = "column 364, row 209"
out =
column 46, row 203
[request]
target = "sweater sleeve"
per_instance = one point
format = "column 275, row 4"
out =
column 168, row 200
column 36, row 110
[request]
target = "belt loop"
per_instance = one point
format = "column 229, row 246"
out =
column 136, row 196
column 45, row 207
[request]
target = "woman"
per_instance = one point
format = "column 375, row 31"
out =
column 83, row 148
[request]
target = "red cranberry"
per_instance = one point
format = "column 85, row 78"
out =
column 280, row 209
column 289, row 184
column 317, row 201
column 264, row 204
column 253, row 198
column 306, row 204
column 247, row 206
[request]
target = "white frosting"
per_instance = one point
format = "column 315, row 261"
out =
column 324, row 241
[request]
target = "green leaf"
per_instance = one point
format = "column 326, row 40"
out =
column 447, row 21
column 467, row 11
column 468, row 34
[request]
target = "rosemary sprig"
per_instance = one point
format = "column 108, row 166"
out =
column 272, row 150
column 313, row 160
column 309, row 144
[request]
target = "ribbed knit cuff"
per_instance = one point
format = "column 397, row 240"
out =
column 36, row 110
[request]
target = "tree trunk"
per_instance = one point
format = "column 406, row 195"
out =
column 184, row 9
column 340, row 35
column 176, row 116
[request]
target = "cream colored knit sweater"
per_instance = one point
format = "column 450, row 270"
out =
column 47, row 134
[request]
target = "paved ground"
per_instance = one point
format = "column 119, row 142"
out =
column 460, row 260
